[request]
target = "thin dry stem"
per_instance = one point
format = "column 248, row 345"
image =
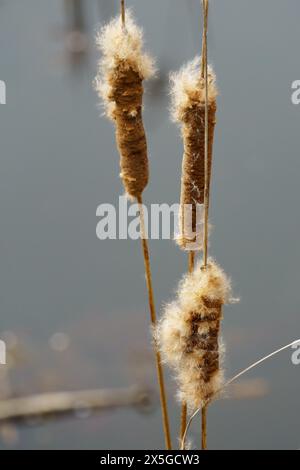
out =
column 206, row 162
column 123, row 12
column 206, row 184
column 183, row 419
column 160, row 375
column 204, row 428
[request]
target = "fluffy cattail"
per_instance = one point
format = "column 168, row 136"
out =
column 122, row 70
column 188, row 108
column 188, row 334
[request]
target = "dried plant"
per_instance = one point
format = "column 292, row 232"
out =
column 188, row 109
column 123, row 68
column 194, row 92
column 189, row 334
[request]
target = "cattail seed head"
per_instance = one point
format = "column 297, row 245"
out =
column 188, row 334
column 122, row 70
column 188, row 108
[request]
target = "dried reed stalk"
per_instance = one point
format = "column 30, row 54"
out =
column 207, row 173
column 194, row 107
column 188, row 93
column 122, row 70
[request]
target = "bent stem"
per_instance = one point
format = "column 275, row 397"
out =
column 160, row 375
column 244, row 371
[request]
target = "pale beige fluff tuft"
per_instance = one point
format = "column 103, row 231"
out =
column 183, row 334
column 120, row 45
column 192, row 390
column 212, row 283
column 187, row 87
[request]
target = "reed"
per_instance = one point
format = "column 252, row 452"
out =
column 194, row 92
column 123, row 68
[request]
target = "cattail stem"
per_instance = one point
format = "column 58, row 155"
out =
column 191, row 259
column 206, row 184
column 160, row 375
column 183, row 420
column 123, row 12
column 204, row 428
column 204, row 36
column 206, row 136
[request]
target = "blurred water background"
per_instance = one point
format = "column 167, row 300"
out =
column 73, row 307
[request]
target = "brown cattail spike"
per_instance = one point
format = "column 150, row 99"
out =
column 188, row 108
column 122, row 70
column 189, row 334
column 127, row 93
